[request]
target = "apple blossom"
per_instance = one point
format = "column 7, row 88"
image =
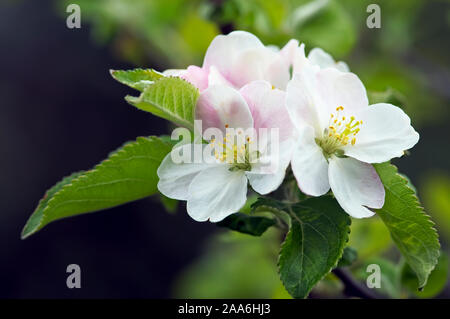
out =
column 316, row 56
column 237, row 59
column 323, row 59
column 217, row 186
column 340, row 135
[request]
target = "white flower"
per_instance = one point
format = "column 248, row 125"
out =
column 217, row 186
column 237, row 59
column 316, row 56
column 340, row 135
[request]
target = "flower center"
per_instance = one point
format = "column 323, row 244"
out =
column 235, row 150
column 340, row 132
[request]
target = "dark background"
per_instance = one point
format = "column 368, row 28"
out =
column 61, row 112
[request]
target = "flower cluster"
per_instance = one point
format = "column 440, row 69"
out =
column 326, row 129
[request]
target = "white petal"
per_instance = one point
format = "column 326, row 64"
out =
column 174, row 179
column 321, row 58
column 265, row 183
column 277, row 72
column 385, row 133
column 216, row 193
column 221, row 105
column 325, row 60
column 299, row 59
column 341, row 89
column 267, row 177
column 268, row 109
column 303, row 101
column 356, row 185
column 314, row 94
column 309, row 165
column 342, row 66
column 289, row 50
column 174, row 72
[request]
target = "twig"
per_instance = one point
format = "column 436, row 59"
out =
column 353, row 287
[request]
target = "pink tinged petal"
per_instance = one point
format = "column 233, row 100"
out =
column 196, row 76
column 356, row 186
column 174, row 179
column 221, row 105
column 386, row 133
column 216, row 193
column 255, row 64
column 224, row 49
column 309, row 165
column 268, row 109
column 216, row 78
column 240, row 57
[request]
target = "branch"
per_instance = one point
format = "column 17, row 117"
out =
column 353, row 287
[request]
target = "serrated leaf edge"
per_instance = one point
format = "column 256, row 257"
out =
column 112, row 156
column 427, row 217
column 176, row 119
column 349, row 222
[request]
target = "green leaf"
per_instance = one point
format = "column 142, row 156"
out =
column 436, row 282
column 270, row 206
column 410, row 228
column 314, row 244
column 251, row 199
column 348, row 257
column 138, row 79
column 35, row 219
column 127, row 175
column 251, row 225
column 390, row 95
column 171, row 98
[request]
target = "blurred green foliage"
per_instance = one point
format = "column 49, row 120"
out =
column 410, row 45
column 436, row 197
column 390, row 278
column 405, row 62
column 234, row 265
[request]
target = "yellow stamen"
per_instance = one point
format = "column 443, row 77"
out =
column 341, row 131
